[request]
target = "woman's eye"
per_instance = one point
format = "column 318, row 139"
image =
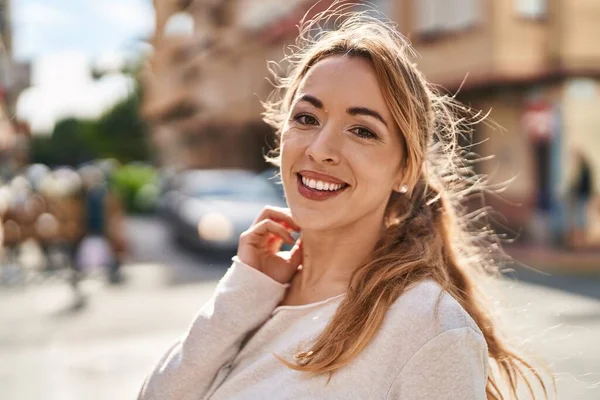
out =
column 306, row 119
column 363, row 133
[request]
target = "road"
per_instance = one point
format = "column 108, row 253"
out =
column 104, row 350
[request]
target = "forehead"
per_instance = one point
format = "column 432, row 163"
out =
column 344, row 81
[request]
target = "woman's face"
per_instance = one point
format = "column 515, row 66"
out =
column 341, row 153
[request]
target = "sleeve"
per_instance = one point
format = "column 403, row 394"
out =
column 243, row 300
column 452, row 365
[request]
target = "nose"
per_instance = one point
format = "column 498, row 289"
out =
column 325, row 146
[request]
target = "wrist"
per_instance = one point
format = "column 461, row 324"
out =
column 240, row 264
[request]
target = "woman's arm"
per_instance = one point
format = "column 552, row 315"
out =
column 243, row 300
column 453, row 365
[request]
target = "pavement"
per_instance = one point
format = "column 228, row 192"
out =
column 105, row 349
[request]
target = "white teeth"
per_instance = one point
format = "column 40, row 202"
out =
column 320, row 185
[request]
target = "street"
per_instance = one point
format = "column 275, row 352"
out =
column 104, row 350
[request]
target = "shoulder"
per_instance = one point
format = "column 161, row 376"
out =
column 433, row 343
column 423, row 313
column 428, row 305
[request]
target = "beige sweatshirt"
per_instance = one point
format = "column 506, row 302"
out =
column 228, row 351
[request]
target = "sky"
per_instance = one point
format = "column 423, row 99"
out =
column 62, row 38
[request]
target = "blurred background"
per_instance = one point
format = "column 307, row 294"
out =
column 131, row 158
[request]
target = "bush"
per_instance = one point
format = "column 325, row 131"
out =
column 137, row 184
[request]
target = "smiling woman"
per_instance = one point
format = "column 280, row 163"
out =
column 380, row 298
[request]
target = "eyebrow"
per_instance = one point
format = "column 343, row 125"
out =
column 351, row 110
column 365, row 111
column 312, row 100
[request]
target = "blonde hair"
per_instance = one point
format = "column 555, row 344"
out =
column 428, row 234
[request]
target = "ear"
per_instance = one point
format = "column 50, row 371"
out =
column 401, row 181
column 402, row 189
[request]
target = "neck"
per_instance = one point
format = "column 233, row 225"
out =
column 330, row 257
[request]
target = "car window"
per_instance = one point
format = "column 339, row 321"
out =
column 229, row 185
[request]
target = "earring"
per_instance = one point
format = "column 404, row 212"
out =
column 403, row 189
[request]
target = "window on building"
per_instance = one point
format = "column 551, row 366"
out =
column 425, row 17
column 531, row 8
column 180, row 24
column 384, row 6
column 439, row 16
column 255, row 15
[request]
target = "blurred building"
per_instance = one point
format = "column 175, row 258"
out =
column 5, row 49
column 5, row 25
column 207, row 76
column 5, row 46
column 535, row 65
column 15, row 76
column 7, row 132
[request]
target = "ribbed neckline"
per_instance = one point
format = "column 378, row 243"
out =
column 307, row 306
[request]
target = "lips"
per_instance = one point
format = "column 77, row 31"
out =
column 316, row 186
column 321, row 177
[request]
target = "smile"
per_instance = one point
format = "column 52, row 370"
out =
column 319, row 188
column 321, row 185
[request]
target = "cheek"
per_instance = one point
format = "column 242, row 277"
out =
column 290, row 153
column 284, row 150
column 375, row 171
column 291, row 147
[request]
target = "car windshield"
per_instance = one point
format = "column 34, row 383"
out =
column 243, row 185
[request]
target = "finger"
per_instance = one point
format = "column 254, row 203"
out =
column 296, row 255
column 279, row 214
column 269, row 226
column 275, row 243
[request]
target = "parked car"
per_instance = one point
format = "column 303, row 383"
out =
column 209, row 209
column 273, row 177
column 169, row 184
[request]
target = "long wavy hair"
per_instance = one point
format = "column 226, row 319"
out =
column 428, row 233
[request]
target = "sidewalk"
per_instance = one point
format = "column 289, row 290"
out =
column 101, row 351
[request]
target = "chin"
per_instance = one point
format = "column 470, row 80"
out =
column 311, row 219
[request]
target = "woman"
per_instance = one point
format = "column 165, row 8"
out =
column 377, row 299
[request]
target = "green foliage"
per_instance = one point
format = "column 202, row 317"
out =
column 118, row 134
column 123, row 132
column 68, row 144
column 137, row 185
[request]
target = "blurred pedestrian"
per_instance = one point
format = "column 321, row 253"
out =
column 581, row 191
column 16, row 224
column 62, row 227
column 104, row 224
column 379, row 298
column 12, row 236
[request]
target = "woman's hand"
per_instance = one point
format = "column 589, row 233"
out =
column 259, row 246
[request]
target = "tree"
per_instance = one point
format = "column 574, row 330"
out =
column 119, row 133
column 66, row 146
column 124, row 132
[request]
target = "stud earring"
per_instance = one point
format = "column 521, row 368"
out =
column 403, row 189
